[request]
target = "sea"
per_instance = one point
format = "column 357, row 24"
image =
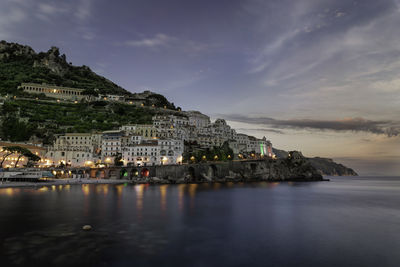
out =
column 347, row 221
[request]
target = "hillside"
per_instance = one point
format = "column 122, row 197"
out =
column 19, row 63
column 27, row 116
column 324, row 165
column 329, row 167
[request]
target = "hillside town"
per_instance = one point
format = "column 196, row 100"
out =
column 169, row 139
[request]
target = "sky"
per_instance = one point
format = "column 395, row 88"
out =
column 319, row 76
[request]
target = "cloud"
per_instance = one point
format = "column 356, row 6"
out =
column 16, row 16
column 340, row 14
column 161, row 40
column 9, row 18
column 261, row 130
column 388, row 128
column 83, row 9
column 46, row 10
column 157, row 40
column 86, row 33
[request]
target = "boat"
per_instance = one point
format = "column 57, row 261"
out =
column 21, row 176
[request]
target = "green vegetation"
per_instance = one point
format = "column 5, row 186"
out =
column 118, row 160
column 25, row 115
column 222, row 153
column 50, row 68
column 159, row 101
column 23, row 119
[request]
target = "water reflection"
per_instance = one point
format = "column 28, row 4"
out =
column 102, row 188
column 139, row 198
column 216, row 186
column 163, row 199
column 9, row 191
column 146, row 225
column 192, row 190
column 43, row 189
column 181, row 193
column 85, row 189
column 119, row 189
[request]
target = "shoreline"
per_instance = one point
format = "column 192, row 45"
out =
column 114, row 182
column 62, row 182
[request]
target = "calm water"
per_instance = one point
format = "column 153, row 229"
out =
column 345, row 222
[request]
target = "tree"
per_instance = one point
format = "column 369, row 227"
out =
column 118, row 160
column 22, row 152
column 9, row 150
column 32, row 158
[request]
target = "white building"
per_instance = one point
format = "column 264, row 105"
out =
column 251, row 144
column 73, row 149
column 170, row 121
column 145, row 153
column 59, row 92
column 145, row 130
column 171, row 151
column 198, row 119
column 114, row 98
column 111, row 145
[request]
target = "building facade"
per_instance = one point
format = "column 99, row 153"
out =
column 73, row 149
column 65, row 93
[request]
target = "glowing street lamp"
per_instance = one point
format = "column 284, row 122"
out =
column 88, row 163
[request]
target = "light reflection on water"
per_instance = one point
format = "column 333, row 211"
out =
column 232, row 224
column 163, row 199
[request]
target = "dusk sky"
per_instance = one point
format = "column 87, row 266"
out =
column 320, row 76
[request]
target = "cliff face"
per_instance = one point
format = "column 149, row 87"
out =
column 289, row 169
column 328, row 167
column 324, row 166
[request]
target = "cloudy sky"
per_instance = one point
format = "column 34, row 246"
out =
column 320, row 76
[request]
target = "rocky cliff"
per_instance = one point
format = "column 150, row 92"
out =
column 328, row 167
column 294, row 168
column 324, row 166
